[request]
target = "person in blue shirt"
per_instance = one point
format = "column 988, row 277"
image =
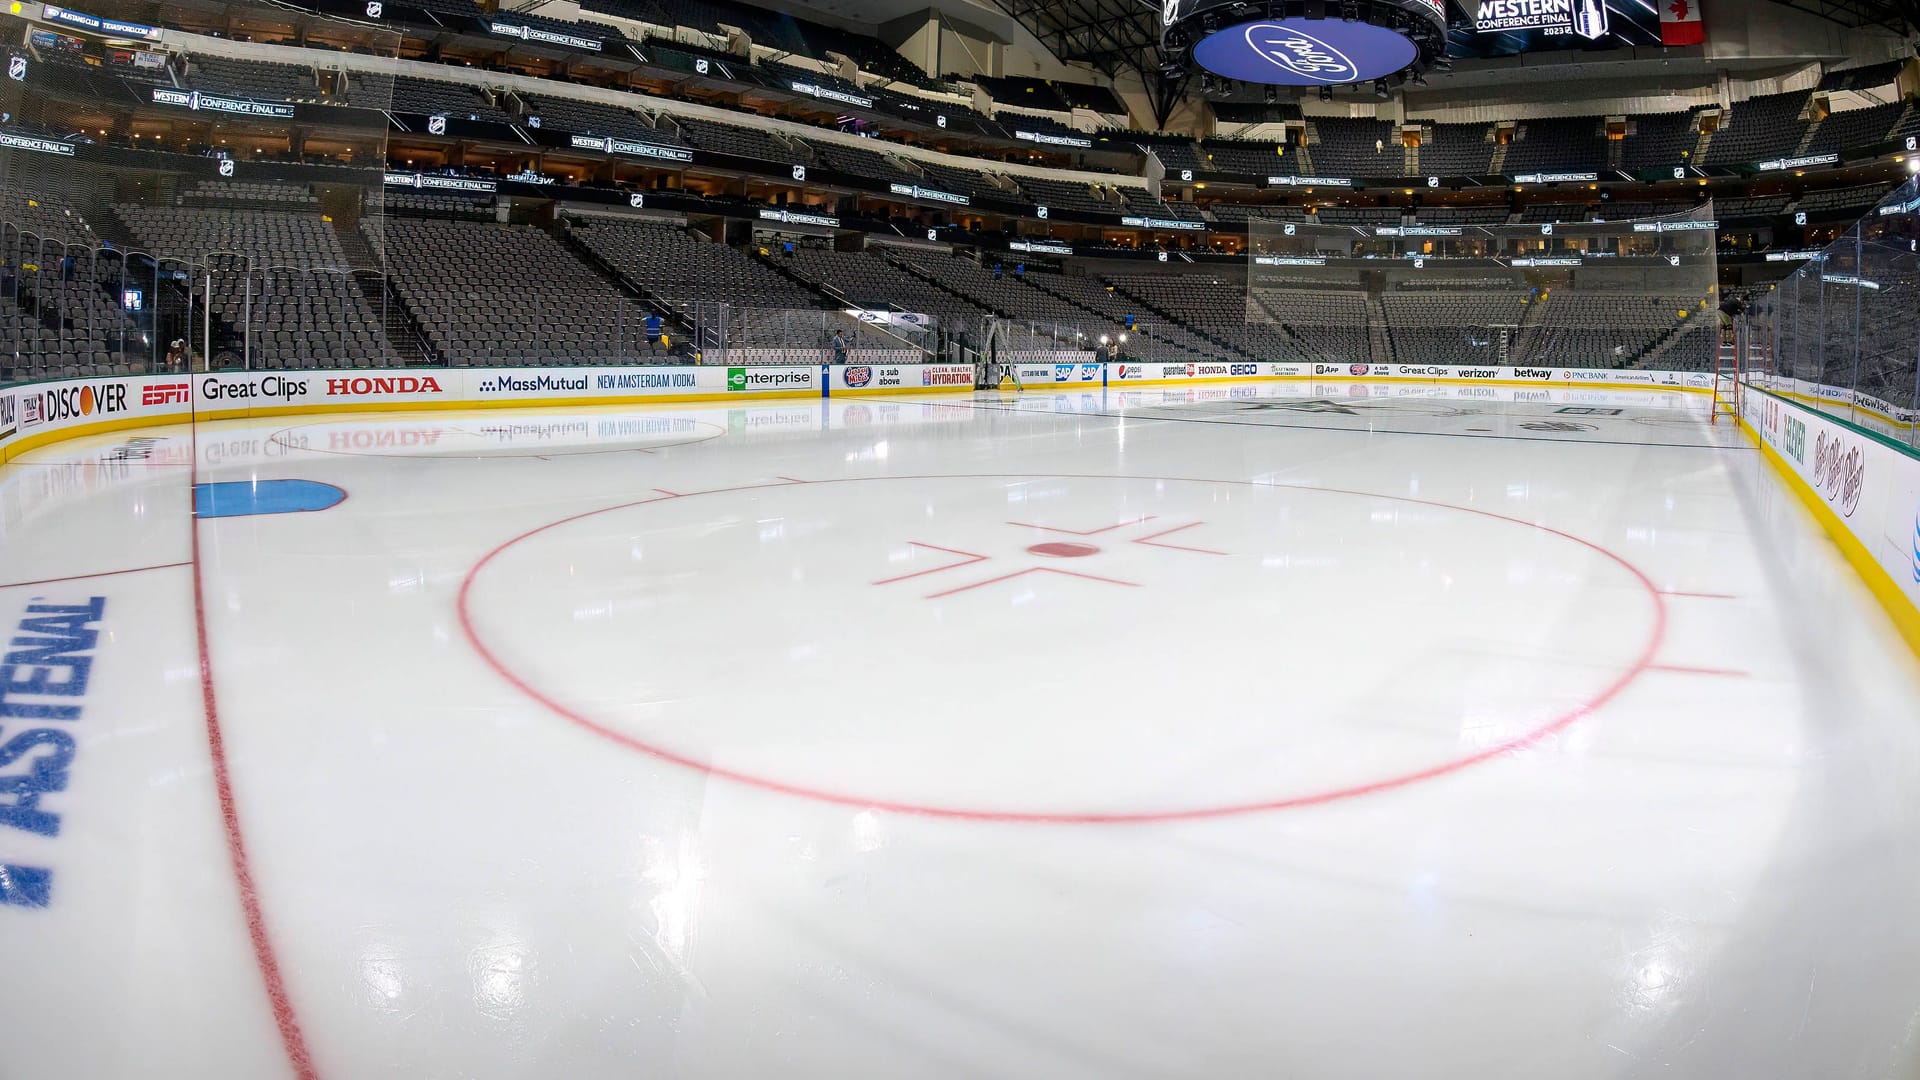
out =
column 653, row 329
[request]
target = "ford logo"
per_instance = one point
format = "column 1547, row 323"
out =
column 1301, row 53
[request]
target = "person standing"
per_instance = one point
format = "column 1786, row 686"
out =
column 839, row 347
column 654, row 330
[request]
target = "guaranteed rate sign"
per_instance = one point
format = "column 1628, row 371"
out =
column 1305, row 52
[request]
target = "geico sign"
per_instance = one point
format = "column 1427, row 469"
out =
column 272, row 386
column 383, row 384
column 74, row 402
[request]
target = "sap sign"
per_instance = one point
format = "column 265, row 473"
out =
column 1305, row 52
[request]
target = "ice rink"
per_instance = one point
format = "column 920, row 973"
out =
column 1283, row 731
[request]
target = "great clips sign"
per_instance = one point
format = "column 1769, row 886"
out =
column 1305, row 52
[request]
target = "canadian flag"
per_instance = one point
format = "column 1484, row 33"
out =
column 1680, row 23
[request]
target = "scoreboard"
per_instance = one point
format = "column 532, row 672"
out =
column 1507, row 27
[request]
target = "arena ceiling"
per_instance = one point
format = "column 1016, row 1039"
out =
column 1115, row 36
column 1899, row 16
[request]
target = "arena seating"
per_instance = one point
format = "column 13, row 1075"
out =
column 284, row 275
column 681, row 269
column 868, row 280
column 256, row 80
column 1157, row 338
column 1355, row 147
column 1065, row 196
column 61, row 319
column 1453, row 322
column 1857, row 129
column 1461, row 215
column 1568, row 142
column 1457, row 149
column 1759, row 129
column 1853, row 199
column 1659, row 140
column 1220, row 309
column 1593, row 328
column 488, row 294
column 1246, row 158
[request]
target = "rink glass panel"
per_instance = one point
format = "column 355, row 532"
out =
column 1842, row 332
column 156, row 195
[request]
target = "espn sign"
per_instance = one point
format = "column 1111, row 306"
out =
column 168, row 393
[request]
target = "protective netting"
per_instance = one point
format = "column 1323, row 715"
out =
column 1611, row 294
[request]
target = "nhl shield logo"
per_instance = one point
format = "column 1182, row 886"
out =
column 1040, row 212
column 17, row 69
column 436, row 125
column 226, row 167
column 636, row 200
column 799, row 172
column 375, row 8
column 701, row 67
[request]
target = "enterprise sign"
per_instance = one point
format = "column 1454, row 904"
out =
column 113, row 27
column 1305, row 52
column 610, row 145
column 915, row 191
column 1799, row 162
column 1052, row 140
column 827, row 93
column 198, row 102
column 547, row 37
column 790, row 217
column 1309, row 181
column 1586, row 18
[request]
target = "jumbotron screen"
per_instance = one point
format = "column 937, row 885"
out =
column 1507, row 27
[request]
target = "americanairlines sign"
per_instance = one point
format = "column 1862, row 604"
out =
column 1587, row 18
